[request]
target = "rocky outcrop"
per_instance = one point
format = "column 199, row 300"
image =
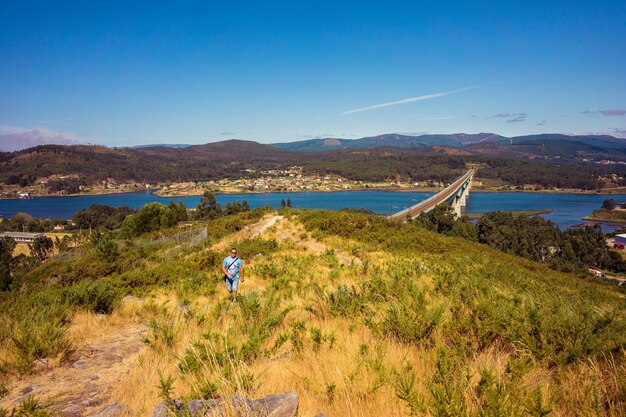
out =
column 111, row 410
column 277, row 405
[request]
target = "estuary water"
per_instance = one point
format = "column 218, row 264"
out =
column 568, row 208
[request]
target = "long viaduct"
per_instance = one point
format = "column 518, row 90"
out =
column 455, row 195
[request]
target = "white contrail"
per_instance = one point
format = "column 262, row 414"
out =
column 407, row 100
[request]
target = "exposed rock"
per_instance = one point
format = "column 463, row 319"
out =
column 131, row 299
column 29, row 389
column 110, row 410
column 320, row 415
column 40, row 364
column 183, row 308
column 278, row 405
column 72, row 409
column 84, row 384
column 80, row 364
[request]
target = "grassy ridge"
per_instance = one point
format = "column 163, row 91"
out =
column 360, row 316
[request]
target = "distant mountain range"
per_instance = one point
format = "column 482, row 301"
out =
column 542, row 146
column 455, row 140
column 393, row 140
column 373, row 158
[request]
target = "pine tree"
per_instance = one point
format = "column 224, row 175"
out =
column 208, row 207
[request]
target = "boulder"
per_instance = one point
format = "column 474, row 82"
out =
column 110, row 410
column 277, row 405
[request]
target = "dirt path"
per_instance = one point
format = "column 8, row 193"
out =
column 82, row 386
column 296, row 233
column 248, row 232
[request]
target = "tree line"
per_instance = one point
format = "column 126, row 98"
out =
column 533, row 238
column 153, row 165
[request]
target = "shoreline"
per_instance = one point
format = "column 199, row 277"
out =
column 598, row 220
column 154, row 191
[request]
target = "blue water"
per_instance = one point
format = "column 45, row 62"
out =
column 568, row 208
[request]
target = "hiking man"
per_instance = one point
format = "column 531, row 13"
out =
column 232, row 267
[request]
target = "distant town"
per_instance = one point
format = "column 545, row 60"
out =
column 292, row 179
column 288, row 180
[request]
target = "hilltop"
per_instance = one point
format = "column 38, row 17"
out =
column 359, row 316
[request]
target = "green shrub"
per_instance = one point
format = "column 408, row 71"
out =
column 106, row 248
column 346, row 302
column 248, row 248
column 30, row 407
column 412, row 322
column 38, row 337
column 99, row 296
column 161, row 332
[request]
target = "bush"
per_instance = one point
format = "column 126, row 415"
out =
column 151, row 217
column 39, row 336
column 99, row 296
column 107, row 249
column 248, row 248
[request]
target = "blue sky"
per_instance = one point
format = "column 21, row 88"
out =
column 197, row 72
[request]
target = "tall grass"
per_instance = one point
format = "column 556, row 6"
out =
column 421, row 325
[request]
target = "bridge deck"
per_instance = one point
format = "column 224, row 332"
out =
column 432, row 202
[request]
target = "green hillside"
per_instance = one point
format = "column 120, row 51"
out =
column 359, row 316
column 549, row 163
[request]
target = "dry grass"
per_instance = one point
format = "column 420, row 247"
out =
column 87, row 327
column 355, row 374
column 23, row 249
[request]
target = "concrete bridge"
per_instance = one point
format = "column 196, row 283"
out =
column 455, row 195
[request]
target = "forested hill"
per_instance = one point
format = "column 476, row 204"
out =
column 512, row 164
column 152, row 164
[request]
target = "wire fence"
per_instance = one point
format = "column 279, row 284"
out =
column 69, row 255
column 187, row 238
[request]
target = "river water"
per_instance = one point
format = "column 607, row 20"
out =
column 568, row 208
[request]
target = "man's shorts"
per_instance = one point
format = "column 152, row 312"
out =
column 232, row 284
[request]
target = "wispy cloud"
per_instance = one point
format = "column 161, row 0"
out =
column 542, row 123
column 14, row 138
column 227, row 133
column 619, row 132
column 613, row 112
column 407, row 100
column 607, row 112
column 519, row 117
column 512, row 117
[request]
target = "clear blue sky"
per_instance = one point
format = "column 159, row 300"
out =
column 197, row 72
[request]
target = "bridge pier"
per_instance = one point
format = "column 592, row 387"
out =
column 464, row 196
column 455, row 195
